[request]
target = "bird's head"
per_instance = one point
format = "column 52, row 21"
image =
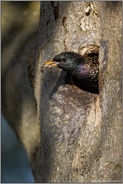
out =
column 68, row 61
column 82, row 69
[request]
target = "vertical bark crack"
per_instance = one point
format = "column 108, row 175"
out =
column 64, row 23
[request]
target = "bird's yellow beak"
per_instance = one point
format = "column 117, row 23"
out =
column 50, row 63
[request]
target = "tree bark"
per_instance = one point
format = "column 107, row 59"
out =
column 80, row 132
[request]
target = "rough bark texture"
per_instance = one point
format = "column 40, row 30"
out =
column 80, row 132
column 111, row 85
column 79, row 135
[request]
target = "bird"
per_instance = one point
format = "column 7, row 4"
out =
column 84, row 70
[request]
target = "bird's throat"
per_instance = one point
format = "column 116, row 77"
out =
column 81, row 71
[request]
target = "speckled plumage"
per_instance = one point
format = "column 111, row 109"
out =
column 84, row 70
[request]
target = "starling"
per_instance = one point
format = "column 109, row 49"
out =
column 84, row 70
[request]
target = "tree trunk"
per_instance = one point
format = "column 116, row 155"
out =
column 80, row 135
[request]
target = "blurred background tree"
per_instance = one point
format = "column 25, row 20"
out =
column 19, row 25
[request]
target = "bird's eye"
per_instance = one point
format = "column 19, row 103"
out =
column 63, row 60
